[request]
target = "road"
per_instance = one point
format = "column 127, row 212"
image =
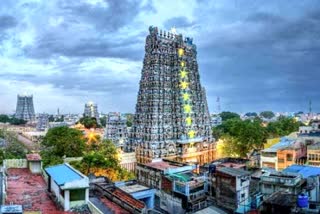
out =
column 28, row 143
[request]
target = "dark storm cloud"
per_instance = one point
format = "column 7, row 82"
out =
column 256, row 55
column 272, row 62
column 7, row 22
column 264, row 17
column 110, row 18
column 178, row 22
column 75, row 80
column 68, row 39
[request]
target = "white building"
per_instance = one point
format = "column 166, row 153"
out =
column 69, row 185
column 34, row 163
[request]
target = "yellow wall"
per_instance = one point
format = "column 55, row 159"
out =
column 271, row 142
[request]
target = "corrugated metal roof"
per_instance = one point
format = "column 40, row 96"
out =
column 305, row 171
column 62, row 174
column 284, row 142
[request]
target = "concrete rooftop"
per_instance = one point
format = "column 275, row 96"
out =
column 30, row 191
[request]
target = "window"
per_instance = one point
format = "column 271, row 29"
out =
column 77, row 195
column 243, row 195
column 280, row 160
column 289, row 157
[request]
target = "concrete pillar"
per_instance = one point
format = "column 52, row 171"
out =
column 87, row 195
column 66, row 200
column 151, row 205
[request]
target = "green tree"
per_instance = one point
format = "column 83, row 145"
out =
column 251, row 114
column 227, row 115
column 283, row 126
column 51, row 118
column 103, row 121
column 15, row 150
column 241, row 137
column 129, row 120
column 89, row 122
column 267, row 114
column 101, row 158
column 60, row 142
column 16, row 121
column 4, row 118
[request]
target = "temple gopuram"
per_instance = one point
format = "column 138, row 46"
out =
column 172, row 119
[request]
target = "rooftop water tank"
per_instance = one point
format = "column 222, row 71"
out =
column 303, row 201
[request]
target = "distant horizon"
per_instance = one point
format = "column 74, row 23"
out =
column 255, row 56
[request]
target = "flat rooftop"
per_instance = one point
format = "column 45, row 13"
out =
column 233, row 165
column 161, row 165
column 133, row 188
column 30, row 191
column 233, row 171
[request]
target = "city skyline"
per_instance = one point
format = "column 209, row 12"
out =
column 255, row 56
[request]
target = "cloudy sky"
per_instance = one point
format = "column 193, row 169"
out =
column 255, row 55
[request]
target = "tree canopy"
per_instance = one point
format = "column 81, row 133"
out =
column 62, row 141
column 14, row 121
column 101, row 158
column 227, row 115
column 267, row 114
column 89, row 122
column 13, row 149
column 103, row 121
column 239, row 137
column 283, row 126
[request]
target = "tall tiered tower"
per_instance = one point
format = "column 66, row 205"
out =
column 25, row 109
column 91, row 110
column 172, row 118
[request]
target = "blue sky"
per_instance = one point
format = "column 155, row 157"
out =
column 254, row 54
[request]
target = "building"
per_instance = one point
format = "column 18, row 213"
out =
column 232, row 189
column 276, row 181
column 172, row 117
column 43, row 122
column 70, row 187
column 179, row 189
column 25, row 109
column 110, row 195
column 294, row 154
column 312, row 176
column 27, row 189
column 128, row 160
column 34, row 163
column 313, row 154
column 116, row 129
column 138, row 191
column 284, row 202
column 91, row 110
column 269, row 156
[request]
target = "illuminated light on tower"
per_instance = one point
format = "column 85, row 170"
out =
column 180, row 52
column 184, row 84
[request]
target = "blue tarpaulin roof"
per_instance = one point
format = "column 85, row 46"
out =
column 305, row 171
column 62, row 174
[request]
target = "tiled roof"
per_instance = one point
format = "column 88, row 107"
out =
column 128, row 199
column 62, row 174
column 33, row 157
column 162, row 165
